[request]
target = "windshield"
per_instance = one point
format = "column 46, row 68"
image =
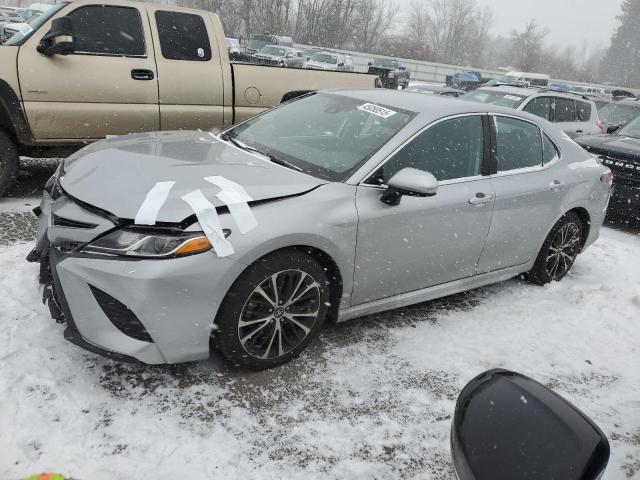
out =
column 618, row 114
column 631, row 129
column 325, row 135
column 324, row 58
column 273, row 50
column 502, row 99
column 19, row 37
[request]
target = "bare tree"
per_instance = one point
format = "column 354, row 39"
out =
column 528, row 46
column 373, row 19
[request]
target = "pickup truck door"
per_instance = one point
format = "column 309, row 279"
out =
column 193, row 69
column 108, row 86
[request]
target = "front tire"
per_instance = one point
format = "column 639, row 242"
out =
column 559, row 250
column 273, row 310
column 9, row 162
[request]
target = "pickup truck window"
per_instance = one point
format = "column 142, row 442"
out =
column 183, row 36
column 107, row 30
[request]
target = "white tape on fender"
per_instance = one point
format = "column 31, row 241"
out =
column 209, row 221
column 153, row 202
column 236, row 198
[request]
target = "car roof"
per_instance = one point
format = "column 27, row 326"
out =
column 434, row 106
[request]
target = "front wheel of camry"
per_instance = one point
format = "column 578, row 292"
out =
column 273, row 310
column 559, row 251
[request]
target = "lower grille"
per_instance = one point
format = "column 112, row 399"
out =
column 121, row 317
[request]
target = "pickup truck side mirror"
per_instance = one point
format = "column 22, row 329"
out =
column 409, row 181
column 509, row 427
column 369, row 64
column 341, row 64
column 59, row 40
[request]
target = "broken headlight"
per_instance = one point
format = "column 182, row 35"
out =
column 149, row 244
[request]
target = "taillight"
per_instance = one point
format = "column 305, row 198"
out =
column 607, row 178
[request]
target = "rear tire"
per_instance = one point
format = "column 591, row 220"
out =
column 273, row 310
column 559, row 251
column 9, row 162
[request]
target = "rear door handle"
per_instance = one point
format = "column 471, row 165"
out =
column 481, row 199
column 142, row 74
column 579, row 131
column 557, row 186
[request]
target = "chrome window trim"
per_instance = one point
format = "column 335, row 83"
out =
column 413, row 137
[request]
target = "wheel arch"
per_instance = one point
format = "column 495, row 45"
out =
column 585, row 218
column 13, row 119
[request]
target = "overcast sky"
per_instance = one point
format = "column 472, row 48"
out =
column 569, row 21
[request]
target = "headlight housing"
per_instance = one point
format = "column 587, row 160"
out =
column 132, row 242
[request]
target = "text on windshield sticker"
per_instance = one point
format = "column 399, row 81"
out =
column 376, row 110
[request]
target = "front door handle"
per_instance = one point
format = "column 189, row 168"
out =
column 579, row 131
column 481, row 199
column 142, row 74
column 557, row 186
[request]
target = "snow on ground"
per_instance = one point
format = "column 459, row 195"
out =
column 372, row 399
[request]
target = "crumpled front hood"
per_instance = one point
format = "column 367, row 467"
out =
column 116, row 174
column 611, row 145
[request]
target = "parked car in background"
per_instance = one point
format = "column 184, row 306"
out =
column 258, row 42
column 591, row 90
column 434, row 89
column 559, row 86
column 392, row 73
column 10, row 22
column 619, row 93
column 573, row 114
column 233, row 47
column 532, row 79
column 278, row 56
column 30, row 17
column 620, row 151
column 466, row 81
column 616, row 114
column 167, row 68
column 361, row 201
column 330, row 61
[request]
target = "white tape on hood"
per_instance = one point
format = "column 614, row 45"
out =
column 209, row 221
column 153, row 202
column 236, row 198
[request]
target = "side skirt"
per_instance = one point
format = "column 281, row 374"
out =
column 431, row 293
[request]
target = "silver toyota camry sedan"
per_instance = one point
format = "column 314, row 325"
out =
column 162, row 247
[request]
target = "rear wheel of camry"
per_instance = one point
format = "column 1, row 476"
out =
column 9, row 161
column 273, row 310
column 559, row 251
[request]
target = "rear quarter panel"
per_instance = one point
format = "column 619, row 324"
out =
column 258, row 87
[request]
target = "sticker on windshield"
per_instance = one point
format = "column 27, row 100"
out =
column 512, row 97
column 376, row 110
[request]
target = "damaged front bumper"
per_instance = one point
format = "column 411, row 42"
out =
column 150, row 310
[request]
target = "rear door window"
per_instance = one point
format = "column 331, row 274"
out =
column 108, row 30
column 549, row 150
column 518, row 144
column 539, row 106
column 183, row 36
column 583, row 111
column 565, row 110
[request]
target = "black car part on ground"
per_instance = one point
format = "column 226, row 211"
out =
column 509, row 427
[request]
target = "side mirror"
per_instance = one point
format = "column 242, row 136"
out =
column 409, row 181
column 402, row 67
column 613, row 128
column 508, row 426
column 59, row 40
column 341, row 64
column 369, row 64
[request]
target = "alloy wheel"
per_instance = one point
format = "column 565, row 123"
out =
column 563, row 250
column 279, row 314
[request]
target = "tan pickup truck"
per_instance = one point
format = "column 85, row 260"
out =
column 88, row 69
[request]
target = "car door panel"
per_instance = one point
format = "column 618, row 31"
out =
column 422, row 242
column 88, row 95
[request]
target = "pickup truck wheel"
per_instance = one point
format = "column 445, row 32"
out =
column 8, row 162
column 273, row 310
